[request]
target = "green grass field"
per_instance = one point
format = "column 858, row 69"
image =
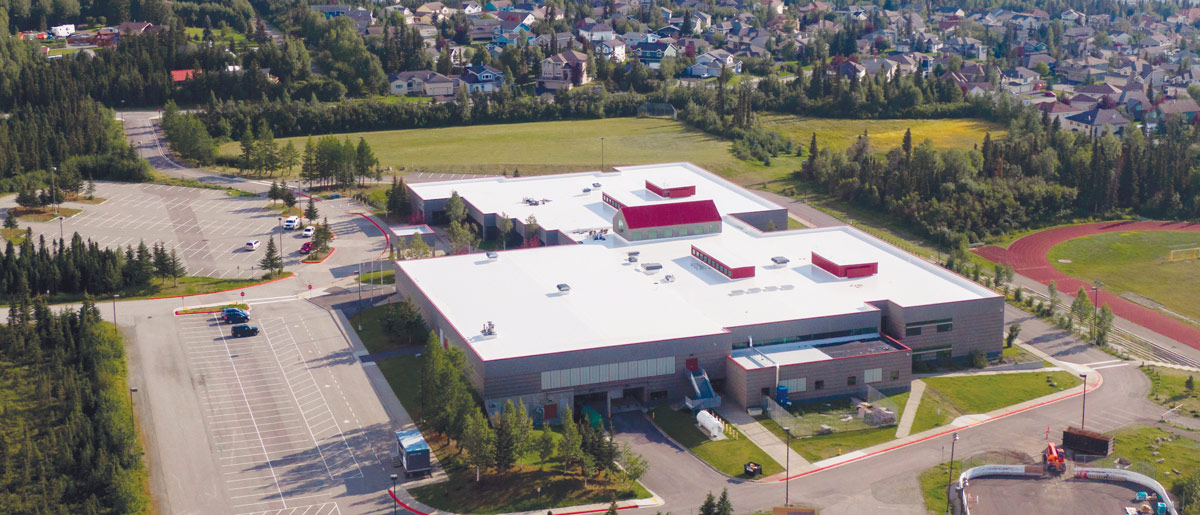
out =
column 729, row 455
column 1136, row 262
column 947, row 398
column 223, row 36
column 1137, row 444
column 1169, row 388
column 819, row 447
column 961, row 133
column 933, row 485
column 554, row 147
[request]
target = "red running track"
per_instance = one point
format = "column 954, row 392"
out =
column 1029, row 257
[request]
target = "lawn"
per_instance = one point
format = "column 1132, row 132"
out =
column 1137, row 444
column 729, row 455
column 283, row 210
column 561, row 146
column 190, row 285
column 1136, row 262
column 933, row 485
column 43, row 214
column 16, row 236
column 512, row 491
column 947, row 398
column 1170, row 389
column 223, row 36
column 379, row 277
column 372, row 333
column 837, row 134
column 819, row 447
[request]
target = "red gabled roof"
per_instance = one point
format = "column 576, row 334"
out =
column 671, row 213
column 181, row 75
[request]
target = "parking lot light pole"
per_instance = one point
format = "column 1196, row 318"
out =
column 394, row 493
column 787, row 460
column 60, row 227
column 1083, row 412
column 53, row 189
column 131, row 421
column 950, row 474
column 115, row 297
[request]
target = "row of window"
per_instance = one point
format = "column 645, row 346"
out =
column 569, row 377
column 716, row 265
column 809, row 337
column 611, row 201
column 873, row 375
column 944, row 325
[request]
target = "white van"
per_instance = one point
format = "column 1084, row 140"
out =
column 292, row 222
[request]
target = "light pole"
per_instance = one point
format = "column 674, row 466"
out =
column 279, row 222
column 131, row 421
column 115, row 297
column 60, row 227
column 1083, row 412
column 358, row 276
column 394, row 493
column 53, row 188
column 950, row 474
column 601, row 153
column 787, row 460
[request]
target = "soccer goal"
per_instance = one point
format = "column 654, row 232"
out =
column 1182, row 254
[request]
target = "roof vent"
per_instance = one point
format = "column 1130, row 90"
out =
column 650, row 267
column 635, row 252
column 489, row 329
column 595, row 185
column 564, row 288
column 587, row 190
column 780, row 260
column 493, row 255
column 633, row 259
column 668, row 279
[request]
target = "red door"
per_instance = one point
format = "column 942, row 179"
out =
column 693, row 364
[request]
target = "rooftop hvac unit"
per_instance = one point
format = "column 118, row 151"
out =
column 489, row 329
column 564, row 288
column 595, row 185
column 669, row 279
column 493, row 255
column 651, row 266
column 635, row 252
column 779, row 260
column 587, row 190
column 633, row 259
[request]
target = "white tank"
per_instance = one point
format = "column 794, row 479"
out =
column 710, row 424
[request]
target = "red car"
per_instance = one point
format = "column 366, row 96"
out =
column 306, row 248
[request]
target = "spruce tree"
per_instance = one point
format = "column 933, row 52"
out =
column 272, row 262
column 310, row 211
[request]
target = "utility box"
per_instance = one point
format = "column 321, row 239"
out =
column 414, row 452
column 1087, row 442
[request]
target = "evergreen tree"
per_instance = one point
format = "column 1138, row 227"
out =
column 570, row 446
column 162, row 265
column 709, row 506
column 310, row 211
column 456, row 209
column 364, row 160
column 504, row 227
column 272, row 262
column 397, row 200
column 506, row 453
column 275, row 192
column 479, row 442
column 10, row 220
column 175, row 267
column 288, row 198
column 724, row 506
column 545, row 446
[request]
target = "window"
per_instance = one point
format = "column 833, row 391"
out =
column 666, row 233
column 651, row 235
column 945, row 328
column 795, row 385
column 658, row 396
column 873, row 375
column 912, row 331
column 851, row 381
column 895, row 375
column 819, row 384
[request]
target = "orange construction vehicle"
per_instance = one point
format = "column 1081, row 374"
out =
column 1054, row 460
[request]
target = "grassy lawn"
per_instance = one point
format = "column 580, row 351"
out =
column 190, row 285
column 157, row 177
column 498, row 492
column 729, row 455
column 493, row 149
column 283, row 210
column 80, row 199
column 1137, row 444
column 933, row 485
column 835, row 134
column 64, row 51
column 43, row 214
column 223, row 36
column 16, row 236
column 1170, row 389
column 820, row 447
column 209, row 309
column 372, row 333
column 380, row 277
column 1136, row 262
column 317, row 257
column 1016, row 354
column 947, row 398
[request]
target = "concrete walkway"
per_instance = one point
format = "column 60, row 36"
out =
column 910, row 408
column 761, row 436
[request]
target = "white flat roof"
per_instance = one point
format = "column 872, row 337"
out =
column 570, row 209
column 409, row 230
column 613, row 302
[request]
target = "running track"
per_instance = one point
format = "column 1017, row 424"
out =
column 1028, row 257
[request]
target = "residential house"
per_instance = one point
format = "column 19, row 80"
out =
column 472, row 7
column 421, row 83
column 877, row 65
column 551, row 42
column 849, row 69
column 564, row 71
column 1059, row 110
column 1084, row 101
column 1096, row 121
column 1136, row 103
column 1073, row 16
column 612, row 50
column 968, row 48
column 135, row 27
column 652, row 54
column 482, row 78
column 709, row 64
column 1022, row 80
column 433, row 12
column 1184, row 108
column 597, row 32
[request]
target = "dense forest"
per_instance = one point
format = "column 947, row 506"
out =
column 67, row 442
column 83, row 267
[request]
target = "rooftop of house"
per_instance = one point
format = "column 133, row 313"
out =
column 610, row 301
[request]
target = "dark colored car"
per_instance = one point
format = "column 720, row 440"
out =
column 230, row 311
column 240, row 331
column 237, row 318
column 306, row 247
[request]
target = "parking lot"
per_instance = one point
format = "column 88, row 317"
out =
column 999, row 496
column 283, row 433
column 206, row 227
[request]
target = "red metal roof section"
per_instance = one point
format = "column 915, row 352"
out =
column 673, row 192
column 675, row 213
column 848, row 271
column 181, row 75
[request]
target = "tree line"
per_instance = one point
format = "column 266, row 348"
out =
column 69, row 444
column 83, row 267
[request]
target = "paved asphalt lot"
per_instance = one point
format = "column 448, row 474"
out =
column 1004, row 496
column 282, row 422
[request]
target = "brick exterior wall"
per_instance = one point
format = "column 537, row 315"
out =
column 977, row 325
column 744, row 387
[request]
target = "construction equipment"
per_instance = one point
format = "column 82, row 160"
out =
column 1053, row 459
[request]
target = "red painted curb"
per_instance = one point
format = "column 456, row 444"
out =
column 419, row 512
column 178, row 314
column 331, row 251
column 386, row 237
column 221, row 291
column 948, row 431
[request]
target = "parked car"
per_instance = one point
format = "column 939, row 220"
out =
column 306, row 248
column 225, row 313
column 308, row 231
column 335, row 195
column 237, row 318
column 240, row 331
column 252, row 245
column 292, row 222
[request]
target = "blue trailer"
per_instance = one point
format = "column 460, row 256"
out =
column 414, row 452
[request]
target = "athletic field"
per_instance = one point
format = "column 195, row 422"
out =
column 961, row 133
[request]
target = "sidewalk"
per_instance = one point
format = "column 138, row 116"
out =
column 910, row 408
column 761, row 436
